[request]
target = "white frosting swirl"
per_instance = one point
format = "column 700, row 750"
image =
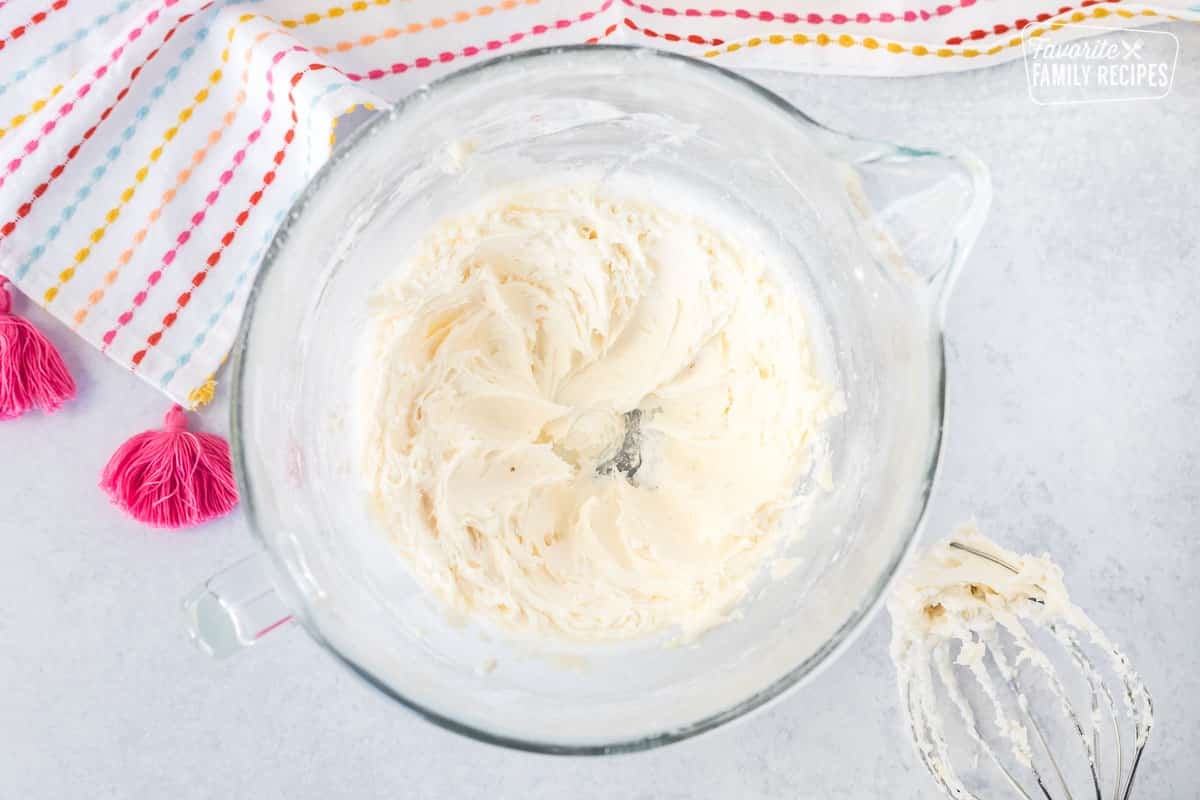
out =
column 583, row 414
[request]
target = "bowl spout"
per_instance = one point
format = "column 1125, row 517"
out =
column 921, row 210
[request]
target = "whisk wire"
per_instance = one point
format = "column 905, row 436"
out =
column 920, row 733
column 1003, row 705
column 1099, row 691
column 959, row 699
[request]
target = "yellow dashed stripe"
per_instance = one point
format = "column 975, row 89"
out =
column 127, row 194
column 333, row 125
column 37, row 106
column 872, row 43
column 332, row 13
column 368, row 39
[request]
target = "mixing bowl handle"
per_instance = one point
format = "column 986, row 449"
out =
column 923, row 210
column 235, row 608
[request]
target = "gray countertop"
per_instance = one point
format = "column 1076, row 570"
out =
column 1074, row 427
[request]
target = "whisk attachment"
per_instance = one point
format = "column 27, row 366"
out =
column 1009, row 689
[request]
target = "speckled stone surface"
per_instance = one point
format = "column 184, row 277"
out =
column 1074, row 426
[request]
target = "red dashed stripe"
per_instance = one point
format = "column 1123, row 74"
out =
column 214, row 258
column 23, row 210
column 670, row 37
column 471, row 51
column 36, row 19
column 1000, row 29
column 793, row 17
column 609, row 31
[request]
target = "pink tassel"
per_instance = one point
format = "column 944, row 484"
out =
column 32, row 373
column 172, row 478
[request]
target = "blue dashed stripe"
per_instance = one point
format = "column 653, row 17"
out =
column 77, row 36
column 84, row 192
column 227, row 301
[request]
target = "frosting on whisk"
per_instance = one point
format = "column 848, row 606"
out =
column 967, row 619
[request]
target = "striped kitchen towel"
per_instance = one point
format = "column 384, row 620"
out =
column 150, row 148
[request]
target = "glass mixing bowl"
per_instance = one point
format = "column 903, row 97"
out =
column 873, row 234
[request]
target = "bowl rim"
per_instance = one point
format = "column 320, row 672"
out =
column 825, row 655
